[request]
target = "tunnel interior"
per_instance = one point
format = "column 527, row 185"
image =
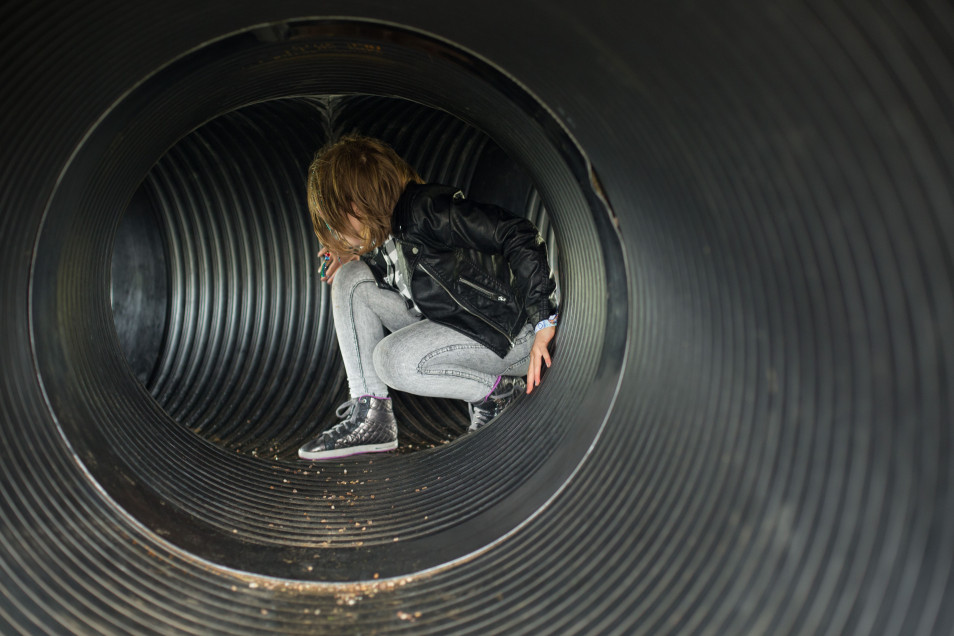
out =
column 214, row 287
column 208, row 356
column 748, row 424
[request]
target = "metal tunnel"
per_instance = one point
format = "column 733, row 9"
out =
column 747, row 428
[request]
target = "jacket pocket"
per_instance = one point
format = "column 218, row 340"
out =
column 484, row 291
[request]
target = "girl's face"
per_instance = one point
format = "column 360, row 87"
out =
column 354, row 238
column 357, row 226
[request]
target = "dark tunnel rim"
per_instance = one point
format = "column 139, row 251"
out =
column 586, row 181
column 778, row 455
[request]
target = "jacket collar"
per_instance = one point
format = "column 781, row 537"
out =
column 401, row 217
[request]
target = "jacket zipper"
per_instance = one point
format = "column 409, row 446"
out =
column 485, row 292
column 459, row 304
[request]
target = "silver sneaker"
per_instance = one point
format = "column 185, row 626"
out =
column 367, row 426
column 507, row 390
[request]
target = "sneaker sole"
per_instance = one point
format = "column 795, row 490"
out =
column 349, row 451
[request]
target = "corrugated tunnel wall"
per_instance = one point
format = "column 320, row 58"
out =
column 747, row 426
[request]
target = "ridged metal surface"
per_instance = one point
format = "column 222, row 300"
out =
column 775, row 459
column 247, row 355
column 394, row 515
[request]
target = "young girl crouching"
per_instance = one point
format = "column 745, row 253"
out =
column 463, row 288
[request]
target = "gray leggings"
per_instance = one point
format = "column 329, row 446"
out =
column 419, row 356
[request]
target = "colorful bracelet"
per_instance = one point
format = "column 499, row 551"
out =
column 548, row 322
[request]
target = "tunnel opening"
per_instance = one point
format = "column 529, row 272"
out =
column 195, row 182
column 777, row 458
column 214, row 288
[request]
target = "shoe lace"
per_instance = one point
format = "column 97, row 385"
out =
column 346, row 409
column 345, row 413
column 486, row 408
column 505, row 394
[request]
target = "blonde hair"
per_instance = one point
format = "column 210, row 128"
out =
column 356, row 171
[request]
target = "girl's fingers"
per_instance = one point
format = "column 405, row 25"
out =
column 533, row 375
column 534, row 372
column 333, row 266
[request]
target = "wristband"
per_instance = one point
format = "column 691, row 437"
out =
column 548, row 322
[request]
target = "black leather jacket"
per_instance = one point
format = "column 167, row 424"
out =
column 476, row 268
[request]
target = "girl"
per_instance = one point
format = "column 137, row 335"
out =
column 464, row 288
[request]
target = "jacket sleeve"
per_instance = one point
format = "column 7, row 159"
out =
column 461, row 223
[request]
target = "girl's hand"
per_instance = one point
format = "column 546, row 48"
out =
column 539, row 353
column 334, row 263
